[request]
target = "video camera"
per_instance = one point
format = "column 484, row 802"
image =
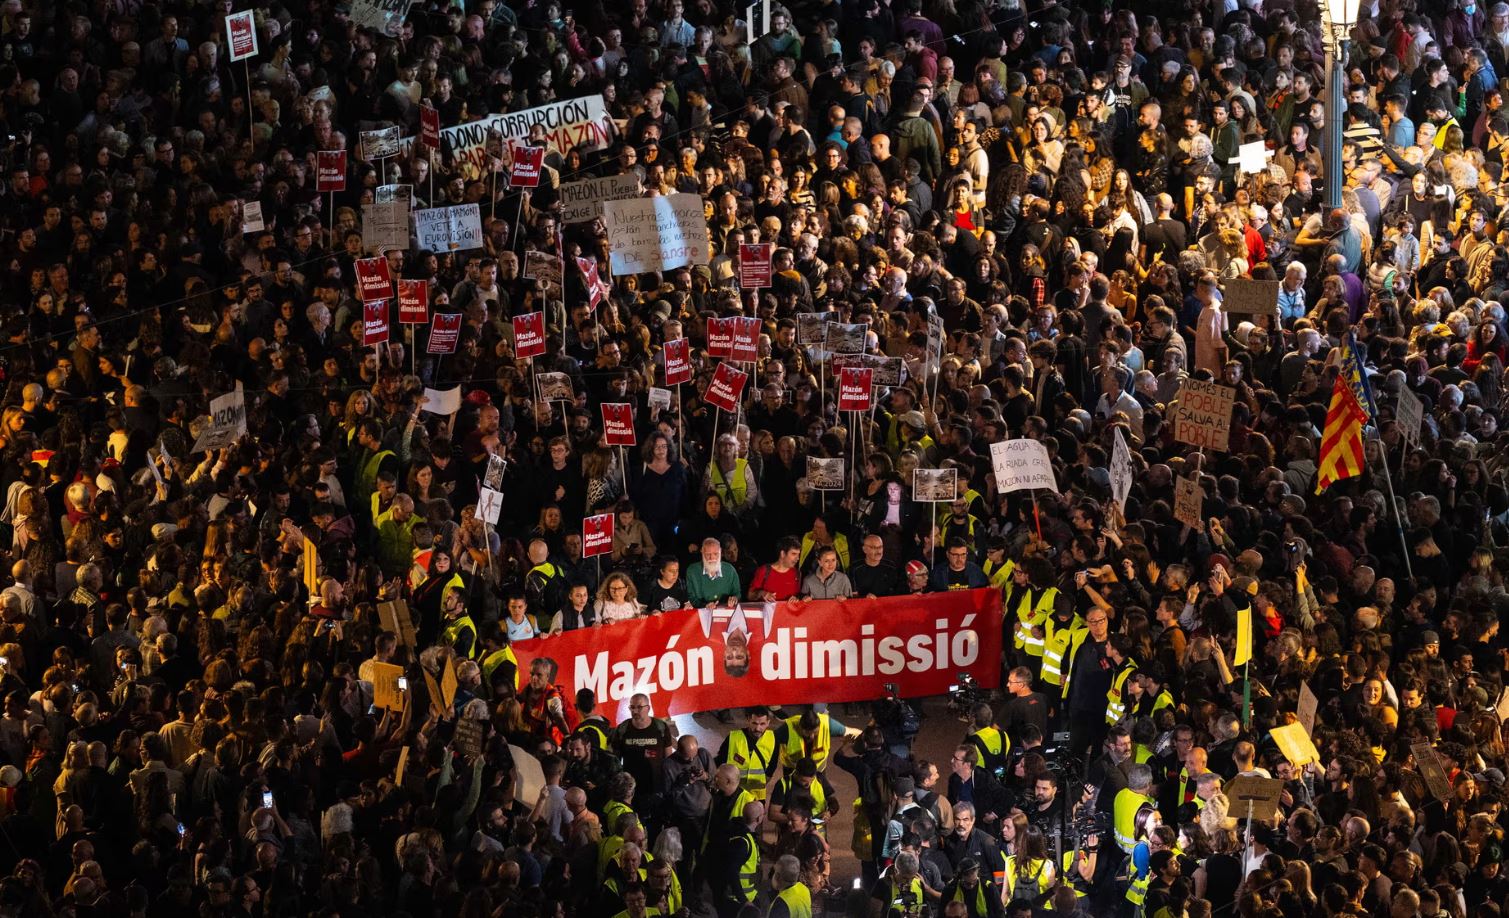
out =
column 896, row 717
column 963, row 697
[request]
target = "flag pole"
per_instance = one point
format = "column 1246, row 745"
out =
column 1393, row 504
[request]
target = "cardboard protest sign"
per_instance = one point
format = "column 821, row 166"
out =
column 241, row 35
column 755, row 264
column 468, row 737
column 933, row 486
column 386, row 693
column 618, row 424
column 1121, row 471
column 1409, row 414
column 678, row 361
column 444, row 402
column 1250, row 297
column 227, row 422
column 1253, row 797
column 385, row 226
column 1309, row 705
column 529, row 334
column 1202, row 414
column 597, row 535
column 1022, row 465
column 524, row 172
column 330, row 170
column 825, row 474
column 1295, row 744
column 375, row 329
column 1189, row 501
column 582, row 201
column 413, row 302
column 1431, row 770
column 449, row 229
column 656, row 234
column 855, row 389
column 394, row 618
column 727, row 388
column 445, row 331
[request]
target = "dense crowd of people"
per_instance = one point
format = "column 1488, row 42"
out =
column 193, row 644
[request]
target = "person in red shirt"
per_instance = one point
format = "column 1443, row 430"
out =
column 780, row 579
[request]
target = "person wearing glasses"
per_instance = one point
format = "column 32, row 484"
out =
column 1088, row 671
column 958, row 571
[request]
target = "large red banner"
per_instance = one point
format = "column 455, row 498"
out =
column 781, row 653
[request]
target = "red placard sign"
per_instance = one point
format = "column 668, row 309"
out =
column 754, row 264
column 445, row 331
column 529, row 334
column 618, row 424
column 856, row 387
column 241, row 34
column 727, row 387
column 788, row 653
column 525, row 169
column 678, row 361
column 413, row 302
column 745, row 347
column 330, row 170
column 373, row 280
column 375, row 322
column 596, row 289
column 720, row 337
column 429, row 126
column 597, row 535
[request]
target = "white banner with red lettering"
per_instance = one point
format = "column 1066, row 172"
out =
column 781, row 653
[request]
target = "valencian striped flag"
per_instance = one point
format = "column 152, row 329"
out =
column 1341, row 444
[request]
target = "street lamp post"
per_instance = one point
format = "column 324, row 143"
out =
column 1341, row 16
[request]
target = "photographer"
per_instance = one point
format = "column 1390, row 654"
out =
column 1047, row 807
column 686, row 775
column 991, row 745
column 899, row 893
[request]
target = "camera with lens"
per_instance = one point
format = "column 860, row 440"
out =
column 896, row 718
column 963, row 697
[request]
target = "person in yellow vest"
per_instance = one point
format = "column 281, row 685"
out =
column 731, row 478
column 914, row 436
column 460, row 632
column 1119, row 652
column 371, row 459
column 1028, row 602
column 663, row 887
column 997, row 567
column 1063, row 632
column 807, row 735
column 752, row 750
column 975, row 899
column 1139, row 871
column 1029, row 872
column 792, row 897
column 589, row 722
column 740, row 883
column 1128, row 803
column 634, row 898
column 1155, row 695
column 626, row 868
column 395, row 537
column 992, row 746
column 899, row 894
column 962, row 524
column 498, row 658
column 802, row 788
